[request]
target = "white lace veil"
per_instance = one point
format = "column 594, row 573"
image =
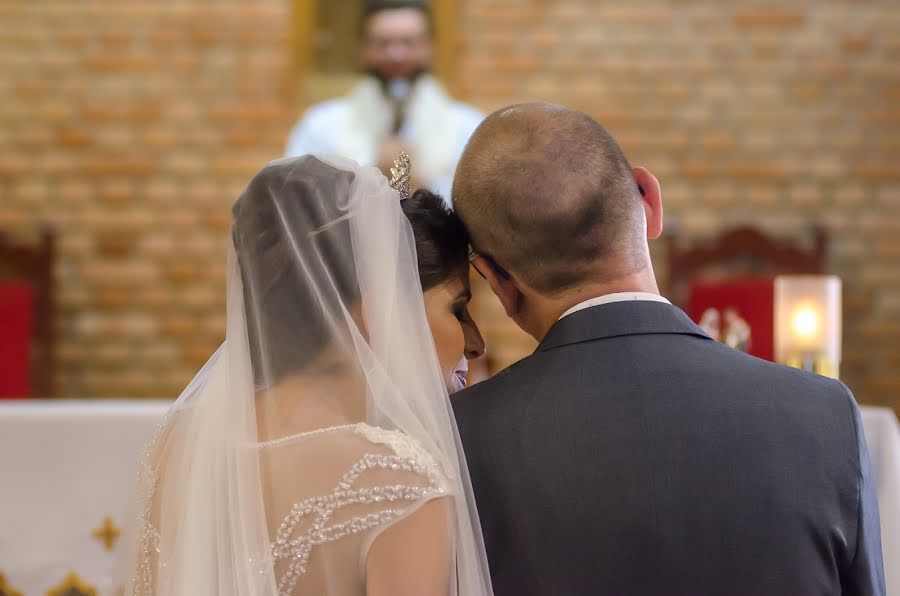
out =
column 306, row 455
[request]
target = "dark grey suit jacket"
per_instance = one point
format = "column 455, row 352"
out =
column 633, row 455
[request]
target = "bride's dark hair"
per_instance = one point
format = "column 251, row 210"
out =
column 442, row 242
column 295, row 279
column 278, row 217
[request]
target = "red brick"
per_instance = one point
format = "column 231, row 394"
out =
column 162, row 138
column 119, row 63
column 760, row 195
column 888, row 195
column 163, row 37
column 112, row 244
column 116, row 192
column 73, row 139
column 242, row 139
column 55, row 111
column 11, row 219
column 807, row 92
column 198, row 354
column 258, row 113
column 515, row 15
column 769, row 17
column 755, row 171
column 541, row 38
column 805, row 194
column 697, row 170
column 31, row 192
column 140, row 112
column 495, row 89
column 239, row 166
column 155, row 298
column 184, row 62
column 854, row 44
column 718, row 194
column 877, row 171
column 181, row 272
column 219, row 221
column 182, row 327
column 115, row 166
column 32, row 89
column 201, row 298
column 118, row 273
column 635, row 16
column 112, row 298
column 850, row 194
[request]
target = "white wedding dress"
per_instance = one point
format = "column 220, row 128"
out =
column 316, row 452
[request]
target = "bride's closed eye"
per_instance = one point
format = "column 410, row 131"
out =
column 461, row 307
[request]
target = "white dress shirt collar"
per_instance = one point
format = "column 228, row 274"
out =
column 616, row 297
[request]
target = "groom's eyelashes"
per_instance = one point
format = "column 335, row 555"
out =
column 500, row 270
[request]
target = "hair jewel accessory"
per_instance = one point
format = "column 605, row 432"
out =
column 400, row 175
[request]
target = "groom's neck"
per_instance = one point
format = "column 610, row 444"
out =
column 544, row 311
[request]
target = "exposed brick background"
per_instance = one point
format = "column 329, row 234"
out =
column 781, row 114
column 133, row 125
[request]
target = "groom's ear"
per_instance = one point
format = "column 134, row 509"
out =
column 651, row 197
column 501, row 283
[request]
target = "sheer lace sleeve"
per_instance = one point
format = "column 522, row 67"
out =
column 387, row 477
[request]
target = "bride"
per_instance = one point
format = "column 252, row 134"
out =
column 316, row 452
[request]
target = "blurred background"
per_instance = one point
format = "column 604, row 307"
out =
column 130, row 127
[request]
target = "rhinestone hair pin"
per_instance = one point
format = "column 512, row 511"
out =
column 400, row 175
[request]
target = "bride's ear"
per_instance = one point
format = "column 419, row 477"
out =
column 501, row 283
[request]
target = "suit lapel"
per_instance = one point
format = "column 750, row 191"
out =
column 634, row 317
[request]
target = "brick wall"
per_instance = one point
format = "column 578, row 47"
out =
column 132, row 126
column 778, row 113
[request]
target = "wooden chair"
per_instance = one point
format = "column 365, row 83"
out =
column 726, row 284
column 740, row 251
column 28, row 271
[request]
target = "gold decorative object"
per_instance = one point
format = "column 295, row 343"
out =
column 73, row 586
column 6, row 589
column 108, row 533
column 400, row 175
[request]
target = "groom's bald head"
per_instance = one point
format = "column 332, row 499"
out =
column 547, row 192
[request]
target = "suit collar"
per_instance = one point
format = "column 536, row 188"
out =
column 617, row 319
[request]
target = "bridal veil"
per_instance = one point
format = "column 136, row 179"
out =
column 316, row 451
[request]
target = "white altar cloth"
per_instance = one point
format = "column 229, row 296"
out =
column 65, row 466
column 883, row 440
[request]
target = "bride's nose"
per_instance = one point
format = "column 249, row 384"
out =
column 474, row 343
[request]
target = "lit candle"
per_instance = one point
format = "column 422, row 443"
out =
column 808, row 322
column 806, row 325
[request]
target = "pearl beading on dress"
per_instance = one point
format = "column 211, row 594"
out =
column 298, row 550
column 409, row 456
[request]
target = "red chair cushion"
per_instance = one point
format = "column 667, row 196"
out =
column 752, row 298
column 16, row 327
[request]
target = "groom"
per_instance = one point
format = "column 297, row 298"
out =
column 631, row 454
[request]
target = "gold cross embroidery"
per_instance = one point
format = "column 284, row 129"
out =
column 6, row 589
column 73, row 586
column 108, row 533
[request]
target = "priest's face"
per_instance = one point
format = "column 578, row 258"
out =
column 397, row 44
